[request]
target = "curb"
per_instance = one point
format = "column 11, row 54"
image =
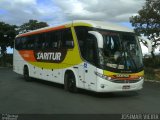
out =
column 4, row 67
column 153, row 81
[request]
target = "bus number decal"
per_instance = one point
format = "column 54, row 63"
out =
column 85, row 65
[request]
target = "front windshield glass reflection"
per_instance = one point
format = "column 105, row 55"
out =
column 120, row 51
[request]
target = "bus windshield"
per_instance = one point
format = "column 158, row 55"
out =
column 120, row 52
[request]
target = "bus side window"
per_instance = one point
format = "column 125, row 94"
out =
column 53, row 43
column 44, row 44
column 18, row 43
column 36, row 42
column 40, row 41
column 67, row 41
column 48, row 40
column 24, row 41
column 81, row 33
column 91, row 49
column 57, row 39
column 30, row 42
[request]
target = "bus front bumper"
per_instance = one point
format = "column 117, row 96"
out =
column 108, row 86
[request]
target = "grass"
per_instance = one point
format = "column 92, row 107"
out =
column 151, row 74
column 152, row 68
column 8, row 60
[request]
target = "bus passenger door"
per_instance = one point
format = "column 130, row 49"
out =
column 90, row 77
column 81, row 76
column 87, row 77
column 91, row 56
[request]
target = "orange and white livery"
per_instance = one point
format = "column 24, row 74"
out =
column 92, row 55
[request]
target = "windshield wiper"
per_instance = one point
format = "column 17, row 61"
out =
column 121, row 59
column 125, row 50
column 131, row 58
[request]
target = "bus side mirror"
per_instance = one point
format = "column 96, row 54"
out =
column 99, row 38
column 69, row 44
column 149, row 43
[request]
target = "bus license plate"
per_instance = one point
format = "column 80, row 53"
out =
column 126, row 87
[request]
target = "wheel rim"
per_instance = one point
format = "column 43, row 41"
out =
column 26, row 75
column 71, row 84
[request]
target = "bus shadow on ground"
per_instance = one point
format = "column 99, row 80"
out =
column 110, row 94
column 43, row 82
column 87, row 92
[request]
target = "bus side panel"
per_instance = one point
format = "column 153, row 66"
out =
column 18, row 62
column 86, row 77
column 90, row 76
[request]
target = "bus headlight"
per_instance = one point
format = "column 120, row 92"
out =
column 140, row 78
column 102, row 76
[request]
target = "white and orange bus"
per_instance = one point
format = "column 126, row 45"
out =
column 91, row 55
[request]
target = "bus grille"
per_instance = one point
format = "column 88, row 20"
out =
column 124, row 81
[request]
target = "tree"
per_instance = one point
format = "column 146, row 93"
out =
column 147, row 23
column 7, row 35
column 31, row 25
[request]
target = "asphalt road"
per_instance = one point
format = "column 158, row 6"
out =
column 39, row 97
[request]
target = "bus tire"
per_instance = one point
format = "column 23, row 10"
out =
column 70, row 82
column 26, row 73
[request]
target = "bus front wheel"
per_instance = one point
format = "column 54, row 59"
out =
column 70, row 82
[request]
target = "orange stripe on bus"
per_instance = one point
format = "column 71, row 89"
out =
column 42, row 31
column 132, row 77
column 27, row 55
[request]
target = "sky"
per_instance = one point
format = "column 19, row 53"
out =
column 58, row 11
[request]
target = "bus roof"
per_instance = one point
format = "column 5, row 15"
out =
column 103, row 25
column 89, row 23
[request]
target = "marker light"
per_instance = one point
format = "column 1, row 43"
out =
column 102, row 76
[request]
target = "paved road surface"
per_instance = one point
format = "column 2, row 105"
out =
column 19, row 96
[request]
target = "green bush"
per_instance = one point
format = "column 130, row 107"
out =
column 149, row 73
column 8, row 60
column 152, row 63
